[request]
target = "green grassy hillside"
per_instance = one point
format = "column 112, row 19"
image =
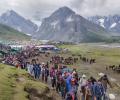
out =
column 7, row 33
column 16, row 84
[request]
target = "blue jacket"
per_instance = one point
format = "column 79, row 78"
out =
column 37, row 69
column 98, row 90
column 68, row 84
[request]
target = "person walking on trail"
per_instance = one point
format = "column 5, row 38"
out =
column 53, row 77
column 89, row 93
column 30, row 68
column 35, row 69
column 83, row 80
column 68, row 82
column 43, row 71
column 38, row 70
column 62, row 86
column 59, row 75
column 82, row 85
column 46, row 73
column 105, row 81
column 98, row 90
column 74, row 88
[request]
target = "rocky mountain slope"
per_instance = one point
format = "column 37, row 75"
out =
column 16, row 21
column 65, row 25
column 110, row 23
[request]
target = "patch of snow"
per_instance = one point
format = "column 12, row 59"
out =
column 69, row 19
column 54, row 23
column 101, row 21
column 113, row 25
column 29, row 34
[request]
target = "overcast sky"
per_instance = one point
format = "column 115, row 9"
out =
column 37, row 9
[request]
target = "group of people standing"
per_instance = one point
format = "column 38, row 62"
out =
column 36, row 70
column 68, row 83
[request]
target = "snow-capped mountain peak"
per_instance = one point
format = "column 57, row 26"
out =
column 110, row 23
column 65, row 25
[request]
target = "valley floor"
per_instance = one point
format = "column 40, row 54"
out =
column 15, row 83
column 105, row 55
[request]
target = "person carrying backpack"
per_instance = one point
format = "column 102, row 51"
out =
column 98, row 90
column 105, row 81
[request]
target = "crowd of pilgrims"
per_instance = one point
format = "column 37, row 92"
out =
column 69, row 83
column 19, row 58
column 62, row 79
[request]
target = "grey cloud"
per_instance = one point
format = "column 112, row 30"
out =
column 96, row 7
column 37, row 9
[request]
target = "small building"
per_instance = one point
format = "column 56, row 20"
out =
column 47, row 47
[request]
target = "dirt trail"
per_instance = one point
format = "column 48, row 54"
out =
column 89, row 70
